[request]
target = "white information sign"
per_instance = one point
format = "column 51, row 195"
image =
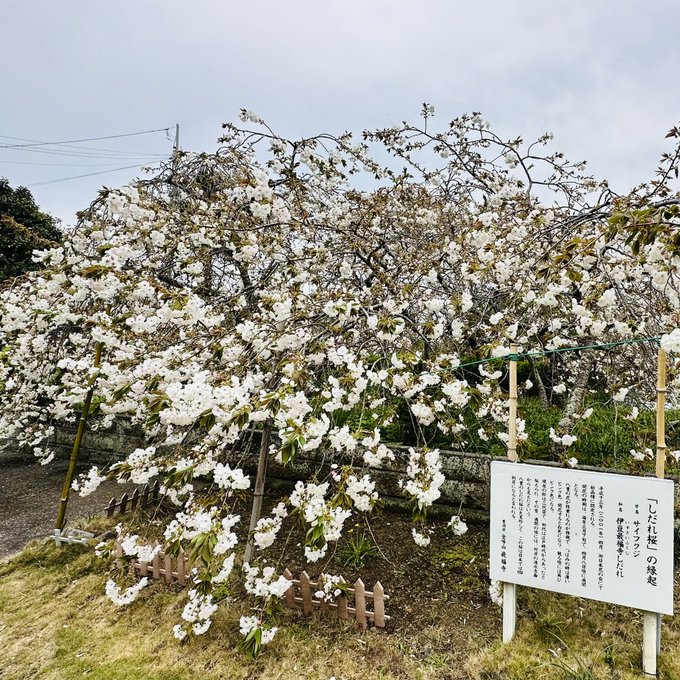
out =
column 602, row 536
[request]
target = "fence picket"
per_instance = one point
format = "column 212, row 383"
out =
column 342, row 604
column 360, row 603
column 290, row 593
column 306, row 590
column 162, row 567
column 145, row 495
column 378, row 605
column 181, row 568
column 168, row 568
column 148, row 495
column 323, row 605
column 156, row 566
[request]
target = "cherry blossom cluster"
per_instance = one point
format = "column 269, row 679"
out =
column 330, row 587
column 197, row 613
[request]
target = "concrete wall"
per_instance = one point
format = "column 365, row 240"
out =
column 466, row 488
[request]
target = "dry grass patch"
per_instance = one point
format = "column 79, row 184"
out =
column 57, row 624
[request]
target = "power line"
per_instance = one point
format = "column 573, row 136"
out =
column 86, row 139
column 75, row 165
column 87, row 152
column 88, row 174
column 79, row 148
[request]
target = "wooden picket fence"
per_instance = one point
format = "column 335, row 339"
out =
column 358, row 594
column 171, row 569
column 148, row 496
column 300, row 594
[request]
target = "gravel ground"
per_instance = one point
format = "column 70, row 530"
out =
column 29, row 499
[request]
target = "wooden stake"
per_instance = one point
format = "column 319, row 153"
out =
column 258, row 494
column 510, row 589
column 61, row 514
column 651, row 627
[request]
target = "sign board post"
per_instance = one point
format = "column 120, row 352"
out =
column 597, row 535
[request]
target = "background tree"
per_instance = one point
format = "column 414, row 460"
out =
column 24, row 227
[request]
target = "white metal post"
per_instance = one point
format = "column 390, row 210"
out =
column 510, row 589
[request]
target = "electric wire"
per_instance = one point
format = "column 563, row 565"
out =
column 74, row 165
column 87, row 174
column 85, row 139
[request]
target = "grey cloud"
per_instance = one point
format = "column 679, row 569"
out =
column 599, row 75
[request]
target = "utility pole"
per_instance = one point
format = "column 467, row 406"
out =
column 173, row 164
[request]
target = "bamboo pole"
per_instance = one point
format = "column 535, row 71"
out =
column 651, row 630
column 512, row 402
column 61, row 514
column 510, row 589
column 661, row 415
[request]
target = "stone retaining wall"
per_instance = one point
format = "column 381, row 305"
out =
column 466, row 489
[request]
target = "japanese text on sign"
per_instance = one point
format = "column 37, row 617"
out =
column 602, row 536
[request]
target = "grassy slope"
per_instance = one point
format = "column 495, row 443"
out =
column 56, row 623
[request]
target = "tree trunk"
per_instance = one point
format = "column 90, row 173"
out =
column 578, row 392
column 542, row 393
column 258, row 495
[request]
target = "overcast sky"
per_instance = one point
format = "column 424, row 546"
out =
column 602, row 75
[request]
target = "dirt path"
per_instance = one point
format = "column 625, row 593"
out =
column 29, row 497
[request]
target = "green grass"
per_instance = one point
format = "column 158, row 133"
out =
column 57, row 624
column 564, row 638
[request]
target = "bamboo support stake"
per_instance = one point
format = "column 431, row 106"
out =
column 510, row 589
column 512, row 403
column 661, row 415
column 651, row 630
column 61, row 514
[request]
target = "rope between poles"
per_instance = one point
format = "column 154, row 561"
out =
column 559, row 350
